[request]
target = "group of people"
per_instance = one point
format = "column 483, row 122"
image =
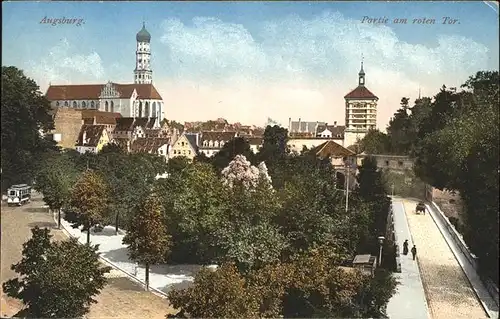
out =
column 413, row 249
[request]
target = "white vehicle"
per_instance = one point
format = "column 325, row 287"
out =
column 18, row 194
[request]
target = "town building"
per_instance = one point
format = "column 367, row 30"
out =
column 361, row 116
column 186, row 145
column 139, row 99
column 68, row 123
column 92, row 138
column 154, row 145
column 212, row 142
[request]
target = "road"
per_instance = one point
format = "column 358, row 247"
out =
column 121, row 298
column 448, row 291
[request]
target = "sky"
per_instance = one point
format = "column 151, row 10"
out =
column 250, row 61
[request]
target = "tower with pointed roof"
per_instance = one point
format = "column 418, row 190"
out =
column 360, row 111
column 143, row 73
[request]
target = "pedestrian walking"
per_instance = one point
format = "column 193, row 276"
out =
column 414, row 251
column 405, row 247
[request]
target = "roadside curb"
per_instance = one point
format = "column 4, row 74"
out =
column 110, row 263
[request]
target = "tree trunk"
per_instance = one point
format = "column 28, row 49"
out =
column 147, row 276
column 88, row 233
column 59, row 218
column 116, row 222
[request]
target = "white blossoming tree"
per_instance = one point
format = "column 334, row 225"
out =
column 241, row 171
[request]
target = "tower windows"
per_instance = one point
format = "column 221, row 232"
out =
column 74, row 104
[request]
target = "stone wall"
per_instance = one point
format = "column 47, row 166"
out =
column 68, row 123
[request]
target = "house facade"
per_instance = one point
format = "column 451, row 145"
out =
column 186, row 145
column 92, row 138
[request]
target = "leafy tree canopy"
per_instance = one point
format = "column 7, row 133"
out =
column 57, row 279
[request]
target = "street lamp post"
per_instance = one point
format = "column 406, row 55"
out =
column 381, row 242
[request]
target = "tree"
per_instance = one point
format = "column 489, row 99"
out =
column 234, row 147
column 192, row 203
column 458, row 150
column 372, row 192
column 376, row 142
column 219, row 294
column 57, row 279
column 399, row 129
column 25, row 114
column 241, row 171
column 54, row 179
column 274, row 146
column 147, row 238
column 89, row 200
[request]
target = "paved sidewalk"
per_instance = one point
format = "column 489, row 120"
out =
column 161, row 277
column 448, row 291
column 409, row 301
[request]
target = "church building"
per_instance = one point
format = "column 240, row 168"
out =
column 138, row 99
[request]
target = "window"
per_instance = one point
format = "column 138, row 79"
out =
column 92, row 104
column 216, row 144
column 211, row 144
column 400, row 163
column 107, row 107
column 84, row 105
column 112, row 107
column 205, row 143
column 189, row 152
column 57, row 103
column 74, row 104
column 386, row 163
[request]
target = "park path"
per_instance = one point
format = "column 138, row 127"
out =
column 449, row 293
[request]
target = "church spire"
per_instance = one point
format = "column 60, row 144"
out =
column 361, row 73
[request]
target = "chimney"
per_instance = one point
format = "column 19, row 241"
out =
column 316, row 129
column 300, row 125
column 197, row 139
column 84, row 138
column 307, row 127
column 334, row 123
column 289, row 125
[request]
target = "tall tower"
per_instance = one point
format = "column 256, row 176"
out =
column 360, row 111
column 143, row 73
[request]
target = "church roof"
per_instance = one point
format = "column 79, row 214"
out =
column 361, row 92
column 143, row 35
column 93, row 91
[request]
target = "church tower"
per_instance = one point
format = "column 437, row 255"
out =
column 360, row 111
column 143, row 73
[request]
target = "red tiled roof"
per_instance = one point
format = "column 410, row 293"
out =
column 330, row 148
column 361, row 92
column 92, row 91
column 92, row 113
